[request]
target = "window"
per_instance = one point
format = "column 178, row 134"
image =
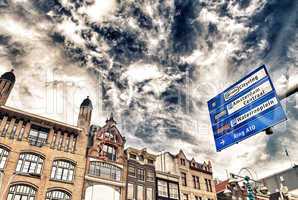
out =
column 196, row 182
column 150, row 175
column 21, row 192
column 130, row 192
column 13, row 132
column 185, row 197
column 60, row 141
column 141, row 174
column 29, row 164
column 66, row 147
column 210, row 185
column 149, row 194
column 57, row 195
column 110, row 152
column 62, row 170
column 140, row 193
column 198, row 198
column 105, row 170
column 5, row 129
column 38, row 135
column 150, row 161
column 21, row 133
column 3, row 157
column 110, row 136
column 132, row 156
column 162, row 188
column 141, row 158
column 173, row 188
column 131, row 171
column 183, row 178
column 182, row 161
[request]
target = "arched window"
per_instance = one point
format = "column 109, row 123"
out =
column 63, row 170
column 30, row 163
column 21, row 191
column 57, row 195
column 104, row 170
column 3, row 157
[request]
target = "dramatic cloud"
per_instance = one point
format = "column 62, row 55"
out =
column 154, row 64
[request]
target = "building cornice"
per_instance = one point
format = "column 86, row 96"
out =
column 36, row 117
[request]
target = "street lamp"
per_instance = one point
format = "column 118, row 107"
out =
column 227, row 192
column 264, row 189
column 233, row 184
column 233, row 181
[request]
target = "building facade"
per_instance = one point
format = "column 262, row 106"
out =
column 141, row 182
column 283, row 183
column 237, row 191
column 196, row 180
column 106, row 165
column 40, row 158
column 286, row 178
column 167, row 186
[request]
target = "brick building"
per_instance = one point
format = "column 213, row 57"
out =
column 106, row 163
column 40, row 158
column 141, row 181
column 167, row 186
column 196, row 180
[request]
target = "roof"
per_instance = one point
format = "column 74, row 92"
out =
column 87, row 103
column 220, row 187
column 20, row 113
column 9, row 76
column 280, row 172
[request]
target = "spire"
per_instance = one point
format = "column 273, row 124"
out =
column 84, row 118
column 7, row 81
column 87, row 103
column 9, row 76
column 111, row 119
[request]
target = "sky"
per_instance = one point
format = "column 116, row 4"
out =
column 154, row 64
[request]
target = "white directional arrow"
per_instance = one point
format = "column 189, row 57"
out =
column 222, row 142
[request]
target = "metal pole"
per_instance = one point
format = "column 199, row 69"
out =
column 292, row 90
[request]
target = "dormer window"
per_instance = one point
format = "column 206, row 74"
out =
column 132, row 156
column 182, row 161
column 38, row 135
column 150, row 161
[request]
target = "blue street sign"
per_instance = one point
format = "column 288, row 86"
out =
column 244, row 109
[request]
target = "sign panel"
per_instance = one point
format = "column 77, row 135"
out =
column 244, row 109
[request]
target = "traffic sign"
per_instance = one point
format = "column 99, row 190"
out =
column 244, row 109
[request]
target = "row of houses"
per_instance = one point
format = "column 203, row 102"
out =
column 41, row 158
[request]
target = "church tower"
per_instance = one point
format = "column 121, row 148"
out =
column 84, row 118
column 7, row 81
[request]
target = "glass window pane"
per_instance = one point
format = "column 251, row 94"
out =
column 149, row 194
column 140, row 192
column 130, row 191
column 21, row 192
column 62, row 170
